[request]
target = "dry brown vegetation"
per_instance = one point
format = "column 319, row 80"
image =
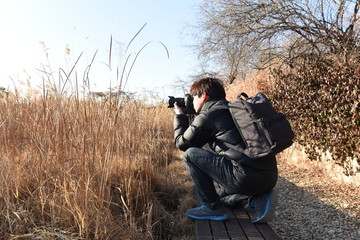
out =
column 87, row 169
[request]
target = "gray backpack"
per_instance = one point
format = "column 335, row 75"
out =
column 264, row 130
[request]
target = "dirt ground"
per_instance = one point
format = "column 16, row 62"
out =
column 313, row 205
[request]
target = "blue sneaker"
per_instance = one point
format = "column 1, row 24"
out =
column 264, row 206
column 204, row 212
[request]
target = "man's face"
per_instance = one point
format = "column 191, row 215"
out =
column 198, row 102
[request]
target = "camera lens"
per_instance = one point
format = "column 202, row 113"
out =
column 179, row 101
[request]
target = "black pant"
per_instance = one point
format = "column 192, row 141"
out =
column 205, row 167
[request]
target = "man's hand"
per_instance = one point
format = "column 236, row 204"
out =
column 177, row 109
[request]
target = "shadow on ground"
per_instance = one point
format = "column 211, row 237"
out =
column 301, row 215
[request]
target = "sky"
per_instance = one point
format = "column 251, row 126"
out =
column 52, row 35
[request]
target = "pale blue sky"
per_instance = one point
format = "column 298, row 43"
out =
column 86, row 26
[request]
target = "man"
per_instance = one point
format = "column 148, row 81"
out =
column 210, row 142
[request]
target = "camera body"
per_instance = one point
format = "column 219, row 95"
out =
column 185, row 103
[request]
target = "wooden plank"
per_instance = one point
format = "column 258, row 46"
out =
column 251, row 212
column 203, row 230
column 219, row 230
column 249, row 228
column 266, row 231
column 237, row 227
column 234, row 228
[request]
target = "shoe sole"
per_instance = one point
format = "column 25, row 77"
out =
column 269, row 210
column 215, row 218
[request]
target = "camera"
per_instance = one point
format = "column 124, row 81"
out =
column 185, row 103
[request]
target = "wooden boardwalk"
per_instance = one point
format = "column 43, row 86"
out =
column 237, row 227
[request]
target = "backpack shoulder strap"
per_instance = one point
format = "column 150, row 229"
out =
column 233, row 147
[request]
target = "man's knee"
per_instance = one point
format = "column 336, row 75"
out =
column 190, row 154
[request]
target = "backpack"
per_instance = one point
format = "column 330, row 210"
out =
column 264, row 130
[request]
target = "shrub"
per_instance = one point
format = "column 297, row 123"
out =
column 322, row 100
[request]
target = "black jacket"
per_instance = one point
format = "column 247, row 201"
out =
column 214, row 126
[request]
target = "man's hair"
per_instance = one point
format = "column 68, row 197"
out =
column 212, row 86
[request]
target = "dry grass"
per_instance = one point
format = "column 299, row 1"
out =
column 258, row 82
column 296, row 156
column 85, row 169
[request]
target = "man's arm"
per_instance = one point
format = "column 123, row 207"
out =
column 187, row 135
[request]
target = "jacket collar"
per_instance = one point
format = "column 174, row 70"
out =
column 211, row 102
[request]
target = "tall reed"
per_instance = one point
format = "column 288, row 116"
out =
column 74, row 167
column 82, row 168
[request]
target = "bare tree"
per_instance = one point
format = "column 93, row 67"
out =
column 238, row 34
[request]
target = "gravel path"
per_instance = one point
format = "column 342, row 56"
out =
column 313, row 207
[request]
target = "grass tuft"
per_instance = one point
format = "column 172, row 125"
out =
column 82, row 168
